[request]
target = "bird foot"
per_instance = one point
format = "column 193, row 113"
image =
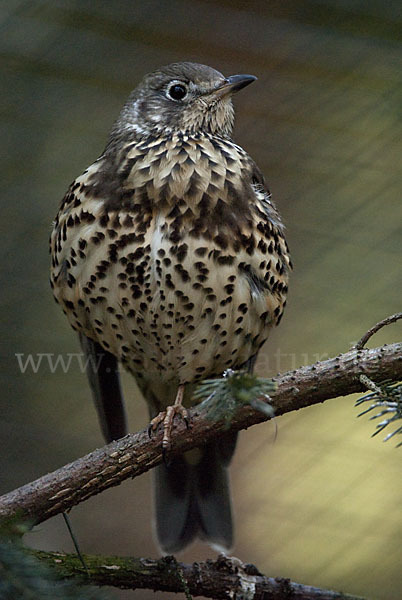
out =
column 166, row 418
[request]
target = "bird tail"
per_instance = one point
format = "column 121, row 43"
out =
column 192, row 497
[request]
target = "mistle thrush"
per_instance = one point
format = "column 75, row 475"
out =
column 169, row 257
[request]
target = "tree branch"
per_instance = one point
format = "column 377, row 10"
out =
column 136, row 453
column 211, row 579
column 387, row 321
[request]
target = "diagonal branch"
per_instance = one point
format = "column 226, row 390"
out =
column 136, row 453
column 210, row 579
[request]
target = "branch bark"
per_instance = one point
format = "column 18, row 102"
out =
column 136, row 453
column 221, row 579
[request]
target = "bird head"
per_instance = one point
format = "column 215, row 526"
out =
column 186, row 97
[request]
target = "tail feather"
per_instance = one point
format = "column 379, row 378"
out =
column 192, row 498
column 212, row 495
column 173, row 505
column 103, row 375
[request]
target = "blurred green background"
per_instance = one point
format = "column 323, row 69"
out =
column 321, row 503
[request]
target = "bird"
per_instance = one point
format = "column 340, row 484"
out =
column 169, row 258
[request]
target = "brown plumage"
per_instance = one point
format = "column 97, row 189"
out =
column 169, row 257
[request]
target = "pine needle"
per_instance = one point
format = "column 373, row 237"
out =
column 222, row 397
column 386, row 397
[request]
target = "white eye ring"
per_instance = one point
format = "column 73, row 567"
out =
column 177, row 90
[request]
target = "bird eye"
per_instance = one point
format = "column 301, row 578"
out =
column 177, row 91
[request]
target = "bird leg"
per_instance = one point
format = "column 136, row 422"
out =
column 166, row 417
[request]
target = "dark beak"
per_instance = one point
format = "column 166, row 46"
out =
column 232, row 84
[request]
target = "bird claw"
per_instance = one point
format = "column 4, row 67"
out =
column 166, row 443
column 155, row 422
column 166, row 418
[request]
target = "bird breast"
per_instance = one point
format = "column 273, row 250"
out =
column 168, row 258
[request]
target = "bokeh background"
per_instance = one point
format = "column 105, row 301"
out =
column 321, row 502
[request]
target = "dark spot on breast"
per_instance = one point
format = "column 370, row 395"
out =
column 182, row 252
column 136, row 291
column 225, row 260
column 103, row 221
column 221, row 240
column 87, row 217
column 112, row 233
column 169, row 282
column 128, row 221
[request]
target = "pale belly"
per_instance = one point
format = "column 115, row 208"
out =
column 175, row 312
